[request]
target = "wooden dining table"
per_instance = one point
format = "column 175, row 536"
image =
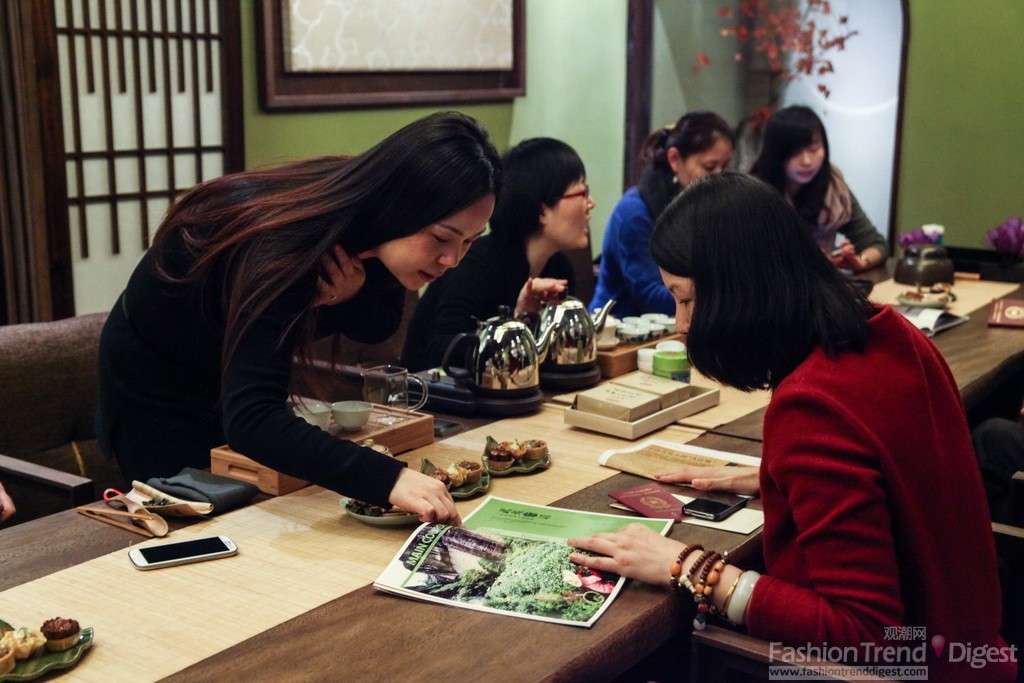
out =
column 69, row 563
column 297, row 602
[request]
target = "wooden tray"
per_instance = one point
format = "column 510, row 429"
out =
column 622, row 358
column 700, row 399
column 412, row 431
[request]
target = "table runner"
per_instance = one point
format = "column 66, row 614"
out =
column 296, row 552
column 970, row 294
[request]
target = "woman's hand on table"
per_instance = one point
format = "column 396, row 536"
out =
column 634, row 551
column 342, row 277
column 425, row 496
column 742, row 479
column 537, row 292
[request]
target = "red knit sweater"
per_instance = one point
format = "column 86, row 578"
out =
column 874, row 510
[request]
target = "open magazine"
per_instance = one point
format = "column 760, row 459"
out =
column 931, row 321
column 510, row 558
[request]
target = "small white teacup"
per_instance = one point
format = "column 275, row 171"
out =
column 350, row 416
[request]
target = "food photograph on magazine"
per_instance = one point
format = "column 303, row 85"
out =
column 510, row 558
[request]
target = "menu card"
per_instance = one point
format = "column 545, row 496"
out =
column 656, row 456
column 510, row 558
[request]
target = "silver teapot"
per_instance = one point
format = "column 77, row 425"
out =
column 572, row 331
column 503, row 359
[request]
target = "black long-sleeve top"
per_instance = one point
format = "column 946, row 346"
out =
column 490, row 275
column 162, row 390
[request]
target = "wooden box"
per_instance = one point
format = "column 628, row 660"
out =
column 622, row 358
column 701, row 398
column 411, row 431
column 228, row 463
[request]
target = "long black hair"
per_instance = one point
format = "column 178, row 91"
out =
column 267, row 230
column 764, row 294
column 537, row 171
column 787, row 132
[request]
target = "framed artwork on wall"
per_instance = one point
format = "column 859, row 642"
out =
column 334, row 54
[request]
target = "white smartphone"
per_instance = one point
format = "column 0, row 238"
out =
column 182, row 552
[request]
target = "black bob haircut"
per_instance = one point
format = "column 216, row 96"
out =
column 537, row 171
column 764, row 294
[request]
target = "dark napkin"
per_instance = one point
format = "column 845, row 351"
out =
column 191, row 484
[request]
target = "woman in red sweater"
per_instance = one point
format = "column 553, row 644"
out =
column 875, row 516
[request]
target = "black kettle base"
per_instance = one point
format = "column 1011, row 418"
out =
column 508, row 407
column 569, row 381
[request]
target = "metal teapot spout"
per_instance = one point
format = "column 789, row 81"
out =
column 601, row 316
column 544, row 342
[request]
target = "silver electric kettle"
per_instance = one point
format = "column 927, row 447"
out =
column 502, row 359
column 572, row 331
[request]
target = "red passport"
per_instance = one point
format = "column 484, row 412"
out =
column 1006, row 313
column 651, row 500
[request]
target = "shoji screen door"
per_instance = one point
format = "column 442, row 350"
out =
column 150, row 95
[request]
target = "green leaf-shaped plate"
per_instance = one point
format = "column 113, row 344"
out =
column 466, row 490
column 521, row 467
column 45, row 661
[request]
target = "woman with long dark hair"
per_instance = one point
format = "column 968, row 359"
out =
column 794, row 159
column 699, row 144
column 874, row 514
column 543, row 211
column 248, row 269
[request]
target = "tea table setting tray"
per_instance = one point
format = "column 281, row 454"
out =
column 701, row 398
column 621, row 359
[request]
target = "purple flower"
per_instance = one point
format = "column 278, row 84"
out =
column 918, row 236
column 1007, row 238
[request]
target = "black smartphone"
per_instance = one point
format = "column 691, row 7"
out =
column 443, row 428
column 713, row 510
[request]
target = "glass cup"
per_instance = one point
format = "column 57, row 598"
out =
column 388, row 385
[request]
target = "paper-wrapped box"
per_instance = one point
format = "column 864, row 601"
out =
column 700, row 399
column 670, row 391
column 618, row 402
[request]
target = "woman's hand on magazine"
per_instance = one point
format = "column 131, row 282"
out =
column 734, row 479
column 634, row 551
column 424, row 496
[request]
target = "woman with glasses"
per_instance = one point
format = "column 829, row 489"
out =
column 543, row 210
column 699, row 144
column 248, row 269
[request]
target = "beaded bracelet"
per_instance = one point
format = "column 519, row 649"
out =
column 702, row 592
column 676, row 570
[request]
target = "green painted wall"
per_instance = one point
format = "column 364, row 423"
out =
column 962, row 143
column 962, row 162
column 575, row 92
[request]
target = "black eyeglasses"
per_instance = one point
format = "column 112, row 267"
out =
column 585, row 193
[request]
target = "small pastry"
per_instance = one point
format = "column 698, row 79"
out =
column 457, row 476
column 6, row 659
column 535, row 449
column 472, row 470
column 24, row 641
column 500, row 458
column 61, row 634
column 442, row 477
column 517, row 449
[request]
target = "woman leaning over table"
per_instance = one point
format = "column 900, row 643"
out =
column 794, row 160
column 248, row 269
column 874, row 514
column 699, row 144
column 543, row 211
